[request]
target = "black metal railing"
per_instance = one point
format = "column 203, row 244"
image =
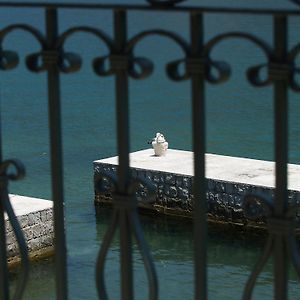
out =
column 199, row 68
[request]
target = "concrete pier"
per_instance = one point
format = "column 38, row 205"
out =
column 229, row 179
column 35, row 218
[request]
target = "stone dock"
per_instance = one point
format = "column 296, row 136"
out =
column 229, row 179
column 35, row 218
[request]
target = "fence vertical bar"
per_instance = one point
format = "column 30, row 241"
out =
column 56, row 154
column 199, row 185
column 122, row 116
column 4, row 292
column 281, row 152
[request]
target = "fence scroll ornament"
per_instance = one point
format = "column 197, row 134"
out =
column 282, row 227
column 106, row 182
column 121, row 61
column 5, row 177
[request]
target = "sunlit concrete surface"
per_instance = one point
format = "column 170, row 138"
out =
column 220, row 167
column 23, row 205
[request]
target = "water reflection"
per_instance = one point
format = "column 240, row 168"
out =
column 230, row 260
column 231, row 257
column 41, row 281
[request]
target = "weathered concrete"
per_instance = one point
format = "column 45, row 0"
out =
column 35, row 218
column 229, row 179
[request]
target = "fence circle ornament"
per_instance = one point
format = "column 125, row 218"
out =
column 17, row 168
column 256, row 207
column 66, row 62
column 8, row 60
column 173, row 70
column 140, row 68
column 101, row 65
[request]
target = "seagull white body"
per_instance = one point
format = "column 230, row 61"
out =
column 159, row 144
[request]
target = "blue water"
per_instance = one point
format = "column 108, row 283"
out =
column 239, row 123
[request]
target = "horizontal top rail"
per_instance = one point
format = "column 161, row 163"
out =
column 145, row 7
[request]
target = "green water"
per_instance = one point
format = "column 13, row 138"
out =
column 239, row 123
column 230, row 260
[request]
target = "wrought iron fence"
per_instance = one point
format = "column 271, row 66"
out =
column 122, row 63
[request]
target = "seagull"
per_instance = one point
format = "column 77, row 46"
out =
column 159, row 144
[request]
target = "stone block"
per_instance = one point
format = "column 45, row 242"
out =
column 33, row 223
column 229, row 188
column 238, row 201
column 8, row 227
column 231, row 200
column 170, row 179
column 28, row 233
column 12, row 250
column 43, row 216
column 31, row 219
column 156, row 178
column 220, row 187
column 49, row 214
column 23, row 221
column 148, row 175
column 186, row 182
column 178, row 181
column 34, row 244
column 36, row 230
column 46, row 240
column 10, row 238
column 173, row 192
column 183, row 193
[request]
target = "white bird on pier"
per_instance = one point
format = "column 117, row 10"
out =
column 159, row 144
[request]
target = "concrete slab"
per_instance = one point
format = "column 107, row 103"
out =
column 35, row 217
column 219, row 167
column 23, row 205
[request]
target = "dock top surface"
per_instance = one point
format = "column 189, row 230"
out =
column 23, row 205
column 219, row 167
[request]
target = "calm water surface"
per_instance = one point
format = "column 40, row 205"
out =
column 239, row 123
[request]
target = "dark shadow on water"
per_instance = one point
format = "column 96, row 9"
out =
column 231, row 257
column 172, row 239
column 40, row 283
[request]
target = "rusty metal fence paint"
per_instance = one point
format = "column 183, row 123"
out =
column 121, row 62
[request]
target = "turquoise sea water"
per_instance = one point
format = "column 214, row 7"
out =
column 239, row 123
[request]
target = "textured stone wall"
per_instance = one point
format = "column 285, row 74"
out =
column 38, row 231
column 174, row 195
